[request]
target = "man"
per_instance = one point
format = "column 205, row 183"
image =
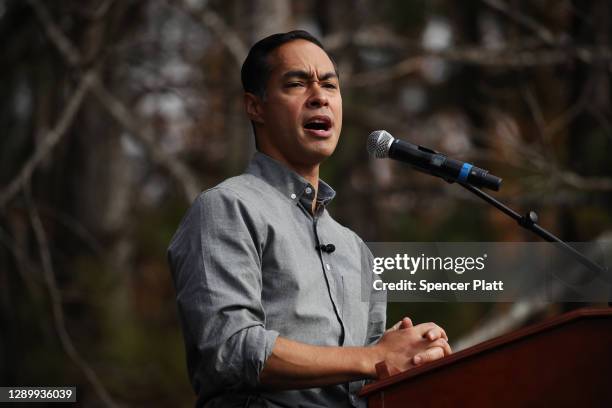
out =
column 268, row 284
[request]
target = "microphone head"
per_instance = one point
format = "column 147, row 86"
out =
column 379, row 143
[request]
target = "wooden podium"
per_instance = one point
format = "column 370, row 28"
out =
column 564, row 362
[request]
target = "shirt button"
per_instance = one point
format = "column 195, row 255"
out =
column 293, row 196
column 308, row 190
column 328, row 267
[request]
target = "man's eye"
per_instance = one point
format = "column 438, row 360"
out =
column 294, row 84
column 330, row 85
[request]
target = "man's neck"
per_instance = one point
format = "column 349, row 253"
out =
column 309, row 172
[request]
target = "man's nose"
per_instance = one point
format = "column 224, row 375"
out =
column 317, row 97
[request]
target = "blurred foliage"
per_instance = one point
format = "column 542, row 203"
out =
column 521, row 88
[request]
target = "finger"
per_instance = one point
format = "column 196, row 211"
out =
column 433, row 334
column 423, row 328
column 428, row 355
column 399, row 325
column 444, row 336
column 442, row 344
column 396, row 326
column 406, row 323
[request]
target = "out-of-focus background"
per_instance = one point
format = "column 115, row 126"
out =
column 115, row 114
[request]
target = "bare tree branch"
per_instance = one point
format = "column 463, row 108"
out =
column 23, row 263
column 406, row 67
column 56, row 305
column 220, row 29
column 505, row 58
column 176, row 168
column 548, row 166
column 98, row 12
column 50, row 140
column 121, row 114
column 79, row 230
column 369, row 36
column 585, row 183
column 55, row 34
column 542, row 32
column 536, row 109
column 564, row 119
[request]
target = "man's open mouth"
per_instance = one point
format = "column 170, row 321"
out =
column 320, row 123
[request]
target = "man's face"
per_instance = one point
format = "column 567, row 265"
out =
column 301, row 114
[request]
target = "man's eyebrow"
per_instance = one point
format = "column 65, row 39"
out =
column 306, row 76
column 328, row 75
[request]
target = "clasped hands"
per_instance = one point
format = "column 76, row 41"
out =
column 405, row 346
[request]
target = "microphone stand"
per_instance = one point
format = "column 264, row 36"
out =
column 529, row 221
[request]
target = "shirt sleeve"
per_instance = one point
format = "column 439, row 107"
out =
column 215, row 259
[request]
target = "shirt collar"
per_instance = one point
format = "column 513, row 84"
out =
column 289, row 183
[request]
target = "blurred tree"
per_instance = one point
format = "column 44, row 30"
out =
column 117, row 113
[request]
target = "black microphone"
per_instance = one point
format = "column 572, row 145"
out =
column 381, row 144
column 329, row 248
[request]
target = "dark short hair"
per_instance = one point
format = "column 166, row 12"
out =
column 256, row 71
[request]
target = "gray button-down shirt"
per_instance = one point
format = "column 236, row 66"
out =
column 246, row 270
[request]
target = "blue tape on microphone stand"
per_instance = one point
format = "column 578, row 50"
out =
column 464, row 173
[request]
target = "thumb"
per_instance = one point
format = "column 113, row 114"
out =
column 431, row 354
column 406, row 323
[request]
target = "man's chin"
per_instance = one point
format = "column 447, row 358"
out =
column 322, row 148
column 320, row 153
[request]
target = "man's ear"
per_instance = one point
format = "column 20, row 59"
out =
column 253, row 107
